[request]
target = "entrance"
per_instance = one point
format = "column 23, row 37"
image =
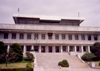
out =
column 36, row 48
column 50, row 48
column 57, row 48
column 43, row 49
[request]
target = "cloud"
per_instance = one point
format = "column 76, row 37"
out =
column 90, row 9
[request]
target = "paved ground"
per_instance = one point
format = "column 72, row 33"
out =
column 49, row 62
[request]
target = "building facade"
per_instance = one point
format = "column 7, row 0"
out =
column 46, row 35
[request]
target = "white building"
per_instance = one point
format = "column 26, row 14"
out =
column 49, row 35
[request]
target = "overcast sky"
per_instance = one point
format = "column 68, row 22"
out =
column 89, row 9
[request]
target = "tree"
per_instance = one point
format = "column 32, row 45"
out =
column 96, row 49
column 7, row 58
column 3, row 49
column 16, row 48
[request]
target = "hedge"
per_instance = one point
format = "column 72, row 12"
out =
column 63, row 63
column 17, row 69
column 88, row 57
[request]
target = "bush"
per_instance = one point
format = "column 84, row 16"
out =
column 88, row 57
column 16, row 48
column 30, row 57
column 17, row 69
column 29, row 65
column 63, row 63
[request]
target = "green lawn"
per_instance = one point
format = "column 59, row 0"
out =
column 14, row 65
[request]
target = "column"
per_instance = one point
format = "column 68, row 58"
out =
column 25, row 35
column 86, row 37
column 46, row 47
column 10, row 36
column 39, row 48
column 82, row 48
column 68, row 48
column 53, row 47
column 73, row 36
column 89, row 49
column 61, row 49
column 75, row 48
column 8, row 47
column 32, row 48
column 24, row 50
column 92, row 37
column 17, row 35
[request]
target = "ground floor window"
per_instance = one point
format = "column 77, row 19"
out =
column 42, row 48
column 36, row 48
column 50, row 48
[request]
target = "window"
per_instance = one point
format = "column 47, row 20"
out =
column 21, row 36
column 70, row 37
column 95, row 37
column 13, row 35
column 50, row 35
column 89, row 37
column 76, row 37
column 35, row 36
column 83, row 37
column 64, row 48
column 56, row 36
column 28, row 35
column 5, row 35
column 63, row 36
column 43, row 36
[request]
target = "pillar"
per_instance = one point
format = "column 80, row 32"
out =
column 39, row 48
column 8, row 47
column 46, row 48
column 68, row 48
column 32, row 48
column 61, row 49
column 24, row 50
column 88, row 49
column 82, row 48
column 75, row 48
column 53, row 47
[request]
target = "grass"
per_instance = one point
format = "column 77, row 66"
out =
column 21, row 64
column 14, row 65
column 97, row 64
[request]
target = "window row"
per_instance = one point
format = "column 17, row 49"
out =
column 50, row 36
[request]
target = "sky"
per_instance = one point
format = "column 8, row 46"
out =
column 89, row 9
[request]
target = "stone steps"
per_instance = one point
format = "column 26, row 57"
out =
column 49, row 61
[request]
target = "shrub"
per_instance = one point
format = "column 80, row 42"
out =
column 29, row 65
column 88, row 57
column 30, row 57
column 63, row 63
column 17, row 69
column 32, row 50
column 16, row 48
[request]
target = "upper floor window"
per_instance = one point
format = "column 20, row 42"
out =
column 21, row 36
column 63, row 36
column 50, row 35
column 83, row 37
column 76, row 37
column 56, row 36
column 36, row 36
column 70, row 37
column 89, row 37
column 95, row 37
column 43, row 36
column 28, row 35
column 13, row 35
column 5, row 35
